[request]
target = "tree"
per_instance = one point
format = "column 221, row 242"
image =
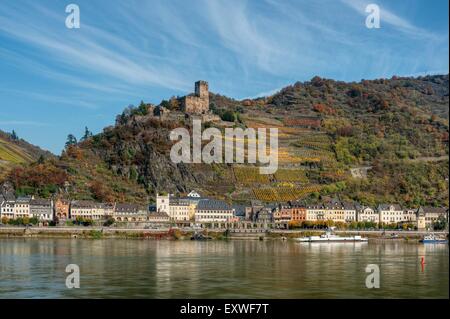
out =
column 440, row 223
column 71, row 140
column 228, row 116
column 87, row 134
column 41, row 159
column 142, row 109
column 108, row 222
column 14, row 135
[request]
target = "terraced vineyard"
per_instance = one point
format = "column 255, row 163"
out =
column 12, row 153
column 250, row 175
column 291, row 175
column 282, row 194
column 315, row 141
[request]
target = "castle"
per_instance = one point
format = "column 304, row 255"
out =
column 197, row 103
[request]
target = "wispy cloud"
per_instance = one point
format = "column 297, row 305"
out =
column 150, row 50
column 391, row 18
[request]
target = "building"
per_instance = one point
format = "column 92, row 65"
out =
column 6, row 207
column 390, row 213
column 334, row 210
column 367, row 214
column 197, row 103
column 162, row 203
column 252, row 210
column 181, row 209
column 129, row 213
column 429, row 215
column 264, row 215
column 158, row 217
column 22, row 207
column 349, row 212
column 105, row 210
column 62, row 209
column 178, row 208
column 42, row 209
column 298, row 211
column 410, row 216
column 315, row 212
column 239, row 211
column 194, row 194
column 82, row 209
column 282, row 214
column 212, row 210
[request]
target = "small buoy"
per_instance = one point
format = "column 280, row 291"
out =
column 422, row 263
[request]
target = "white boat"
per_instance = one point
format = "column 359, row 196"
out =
column 329, row 237
column 432, row 239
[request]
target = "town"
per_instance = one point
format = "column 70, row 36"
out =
column 193, row 209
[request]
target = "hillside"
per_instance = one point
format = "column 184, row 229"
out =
column 14, row 151
column 372, row 141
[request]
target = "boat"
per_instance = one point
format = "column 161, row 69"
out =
column 432, row 239
column 198, row 236
column 329, row 237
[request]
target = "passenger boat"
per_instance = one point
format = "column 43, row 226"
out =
column 432, row 239
column 329, row 237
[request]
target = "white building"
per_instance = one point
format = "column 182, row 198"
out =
column 390, row 213
column 367, row 214
column 42, row 209
column 181, row 209
column 162, row 203
column 6, row 208
column 349, row 212
column 22, row 207
column 410, row 215
column 315, row 212
column 211, row 210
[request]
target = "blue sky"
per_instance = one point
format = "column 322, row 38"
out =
column 55, row 81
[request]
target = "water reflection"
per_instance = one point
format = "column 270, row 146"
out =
column 31, row 268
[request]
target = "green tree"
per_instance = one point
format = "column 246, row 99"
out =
column 440, row 223
column 14, row 135
column 142, row 109
column 71, row 140
column 228, row 116
column 87, row 134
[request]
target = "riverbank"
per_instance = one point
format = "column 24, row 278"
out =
column 182, row 234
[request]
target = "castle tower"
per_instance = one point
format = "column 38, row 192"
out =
column 197, row 103
column 201, row 89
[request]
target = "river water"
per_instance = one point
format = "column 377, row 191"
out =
column 118, row 268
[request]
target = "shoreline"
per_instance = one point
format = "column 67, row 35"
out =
column 180, row 234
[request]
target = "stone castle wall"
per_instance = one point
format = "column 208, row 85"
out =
column 199, row 102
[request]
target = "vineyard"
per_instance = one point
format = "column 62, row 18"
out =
column 315, row 142
column 303, row 122
column 291, row 175
column 250, row 175
column 282, row 194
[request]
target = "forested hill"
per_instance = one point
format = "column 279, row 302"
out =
column 373, row 141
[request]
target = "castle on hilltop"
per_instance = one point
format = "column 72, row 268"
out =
column 197, row 103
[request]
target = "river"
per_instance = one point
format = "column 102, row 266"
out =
column 118, row 268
